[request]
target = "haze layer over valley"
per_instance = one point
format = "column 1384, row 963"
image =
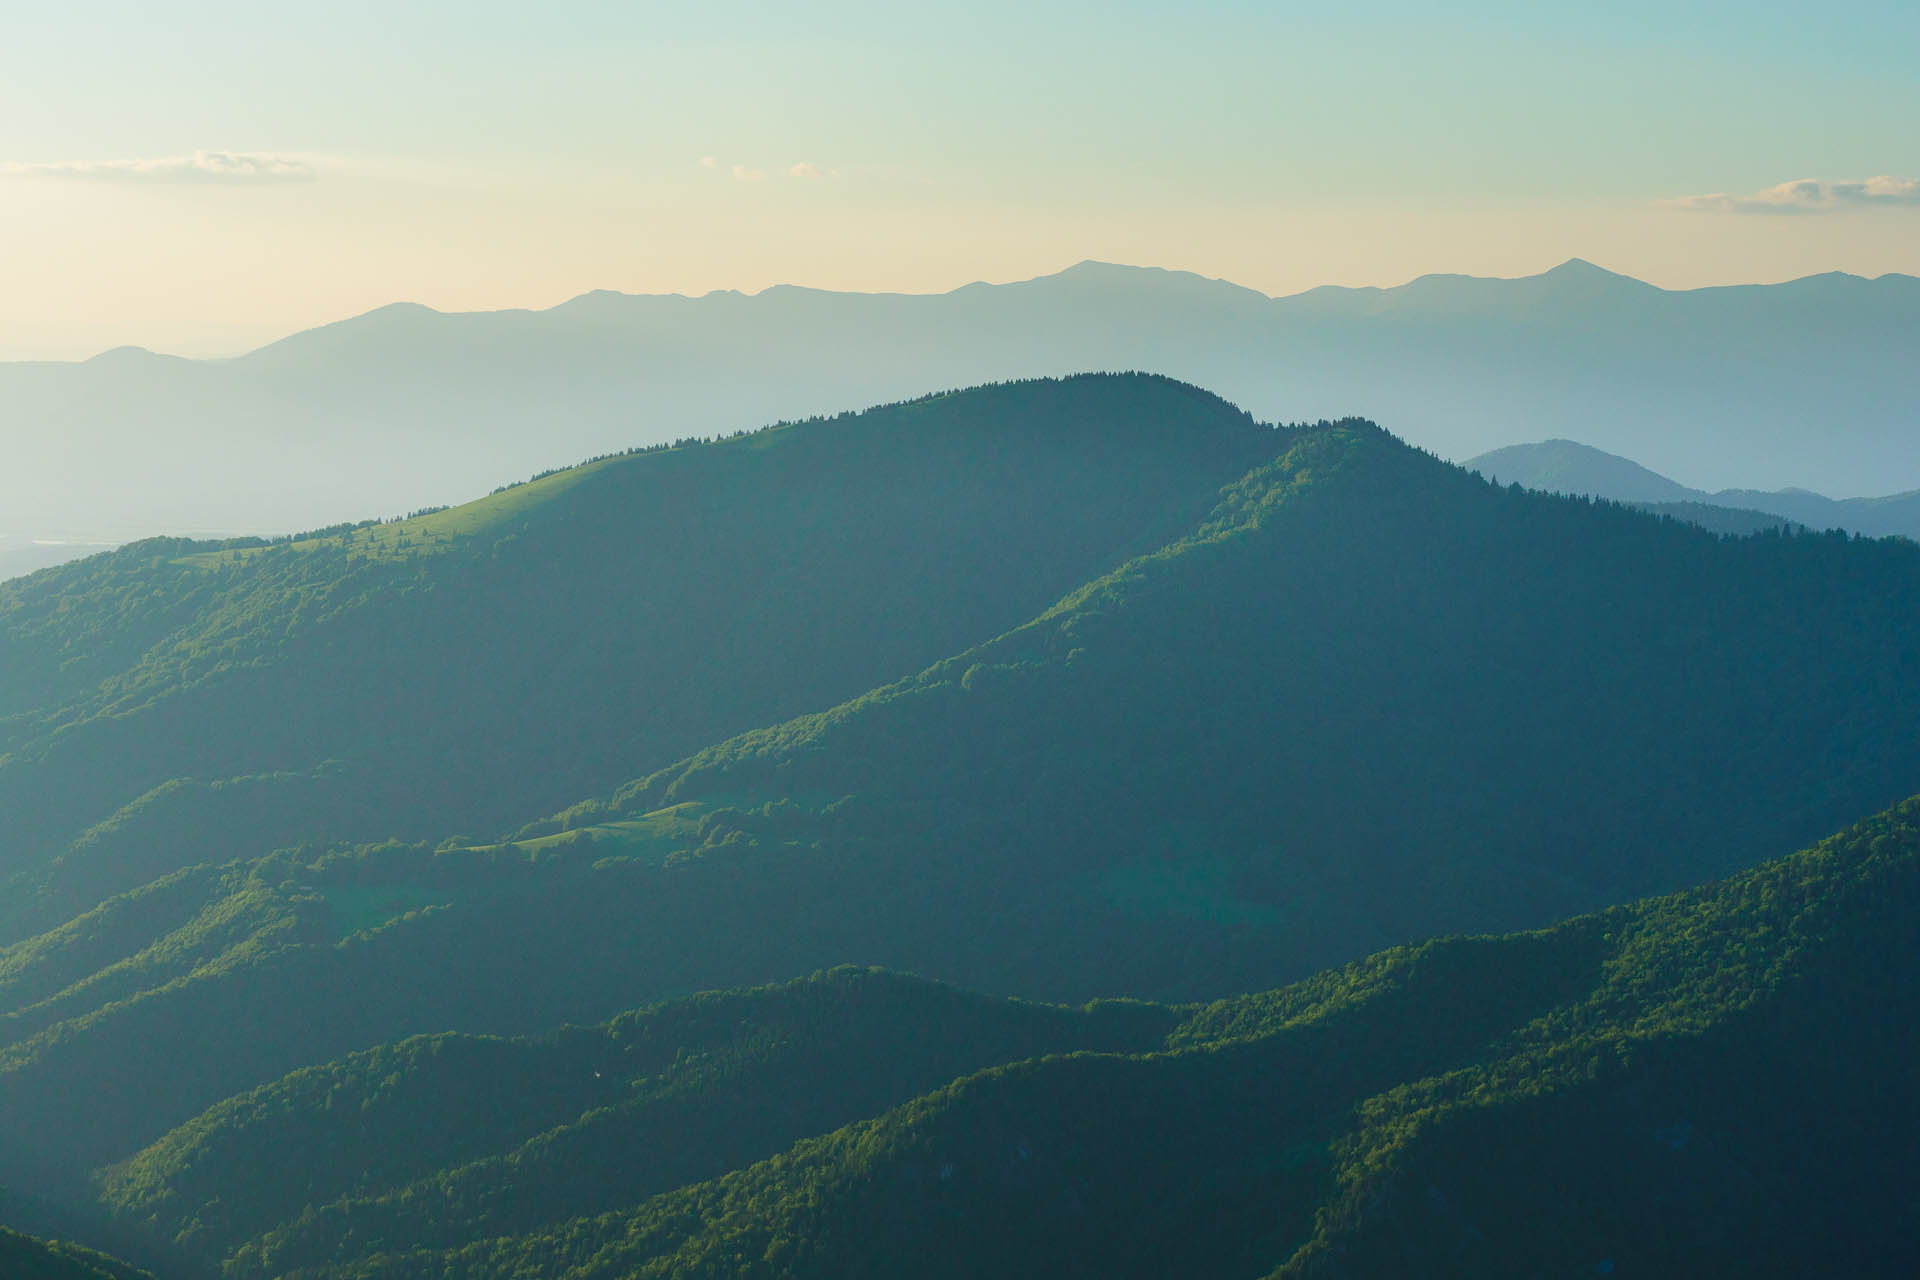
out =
column 1802, row 383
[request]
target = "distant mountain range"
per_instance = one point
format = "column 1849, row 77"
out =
column 1805, row 382
column 1562, row 466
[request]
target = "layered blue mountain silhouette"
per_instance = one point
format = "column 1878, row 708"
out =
column 1760, row 386
column 1564, row 466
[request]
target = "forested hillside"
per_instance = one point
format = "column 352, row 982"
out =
column 1370, row 698
column 1710, row 1083
column 1714, row 1083
column 1362, row 697
column 1738, row 521
column 175, row 703
column 440, row 1140
column 25, row 1258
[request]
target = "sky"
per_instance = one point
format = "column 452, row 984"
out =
column 201, row 178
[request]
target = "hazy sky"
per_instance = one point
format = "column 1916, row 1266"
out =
column 202, row 177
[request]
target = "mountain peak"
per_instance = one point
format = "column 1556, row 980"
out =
column 127, row 355
column 1577, row 267
column 1578, row 271
column 1099, row 267
column 1567, row 466
column 1574, row 282
column 1092, row 273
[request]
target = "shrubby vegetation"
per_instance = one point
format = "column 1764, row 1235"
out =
column 1211, row 706
column 443, row 1139
column 476, row 668
column 1370, row 698
column 1365, row 697
column 24, row 1258
column 1738, row 521
column 1709, row 1083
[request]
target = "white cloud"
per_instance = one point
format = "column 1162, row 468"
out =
column 1812, row 195
column 806, row 169
column 743, row 174
column 1881, row 190
column 201, row 166
column 708, row 162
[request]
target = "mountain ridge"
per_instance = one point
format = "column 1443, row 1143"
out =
column 826, row 532
column 406, row 407
column 1575, row 270
column 1567, row 466
column 1166, row 781
column 1550, row 1101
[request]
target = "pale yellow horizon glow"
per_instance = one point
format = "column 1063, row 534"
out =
column 203, row 178
column 86, row 266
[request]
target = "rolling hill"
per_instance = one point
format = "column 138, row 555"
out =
column 1713, row 1082
column 176, row 703
column 1352, row 697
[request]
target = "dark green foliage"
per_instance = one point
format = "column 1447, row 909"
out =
column 1736, row 521
column 1366, row 698
column 24, row 1258
column 1351, row 698
column 1370, row 699
column 1713, row 1083
column 439, row 1140
column 174, row 703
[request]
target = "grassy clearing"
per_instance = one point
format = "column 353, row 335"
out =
column 658, row 833
column 649, row 838
column 429, row 534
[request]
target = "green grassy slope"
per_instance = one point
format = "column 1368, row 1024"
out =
column 1715, row 1082
column 172, row 703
